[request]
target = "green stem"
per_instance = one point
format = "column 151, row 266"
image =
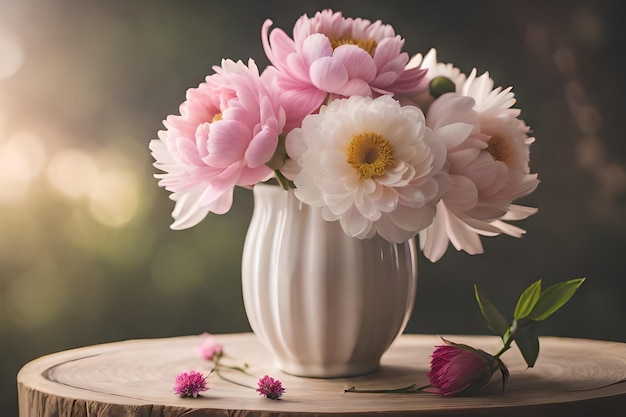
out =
column 506, row 347
column 217, row 371
column 283, row 181
column 219, row 365
column 508, row 339
column 409, row 388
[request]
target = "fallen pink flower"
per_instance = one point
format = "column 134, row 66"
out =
column 190, row 384
column 271, row 388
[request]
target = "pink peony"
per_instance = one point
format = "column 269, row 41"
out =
column 331, row 54
column 457, row 369
column 488, row 164
column 209, row 348
column 226, row 132
column 190, row 384
column 271, row 388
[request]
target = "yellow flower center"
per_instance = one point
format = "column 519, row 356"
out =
column 500, row 149
column 370, row 154
column 368, row 45
column 217, row 117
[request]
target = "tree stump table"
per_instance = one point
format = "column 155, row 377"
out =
column 572, row 377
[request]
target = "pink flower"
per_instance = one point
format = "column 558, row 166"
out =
column 488, row 164
column 271, row 388
column 341, row 56
column 457, row 369
column 209, row 347
column 190, row 384
column 226, row 132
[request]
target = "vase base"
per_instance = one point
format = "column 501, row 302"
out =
column 338, row 370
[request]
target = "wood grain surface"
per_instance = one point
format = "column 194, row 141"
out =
column 573, row 377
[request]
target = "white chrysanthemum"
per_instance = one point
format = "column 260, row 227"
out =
column 487, row 98
column 371, row 164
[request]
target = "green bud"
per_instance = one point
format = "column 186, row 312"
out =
column 438, row 86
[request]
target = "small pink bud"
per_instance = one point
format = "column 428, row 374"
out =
column 209, row 347
column 457, row 369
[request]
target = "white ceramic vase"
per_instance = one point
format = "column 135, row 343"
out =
column 325, row 304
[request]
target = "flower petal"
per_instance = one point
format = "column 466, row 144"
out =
column 328, row 74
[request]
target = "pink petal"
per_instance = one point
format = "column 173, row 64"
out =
column 261, row 147
column 227, row 143
column 517, row 212
column 187, row 151
column 250, row 176
column 188, row 212
column 281, row 44
column 409, row 81
column 462, row 237
column 453, row 134
column 315, row 46
column 462, row 195
column 355, row 87
column 451, row 108
column 357, row 62
column 434, row 239
column 328, row 74
column 386, row 50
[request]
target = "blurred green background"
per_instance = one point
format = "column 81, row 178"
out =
column 86, row 255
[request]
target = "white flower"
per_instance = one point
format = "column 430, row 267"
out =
column 371, row 164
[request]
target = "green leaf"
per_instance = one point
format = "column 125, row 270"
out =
column 527, row 300
column 527, row 340
column 496, row 321
column 554, row 298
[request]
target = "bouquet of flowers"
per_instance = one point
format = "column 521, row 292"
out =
column 385, row 144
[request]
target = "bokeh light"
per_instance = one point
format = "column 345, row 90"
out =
column 113, row 200
column 22, row 157
column 72, row 172
column 11, row 54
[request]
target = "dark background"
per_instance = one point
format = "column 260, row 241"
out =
column 86, row 255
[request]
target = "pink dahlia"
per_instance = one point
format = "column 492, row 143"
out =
column 209, row 348
column 457, row 369
column 190, row 384
column 270, row 388
column 225, row 134
column 331, row 54
column 488, row 165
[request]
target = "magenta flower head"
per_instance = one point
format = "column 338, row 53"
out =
column 190, row 384
column 457, row 369
column 209, row 348
column 271, row 388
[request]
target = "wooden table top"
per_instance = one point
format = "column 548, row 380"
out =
column 135, row 378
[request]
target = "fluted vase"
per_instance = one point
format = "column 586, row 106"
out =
column 323, row 303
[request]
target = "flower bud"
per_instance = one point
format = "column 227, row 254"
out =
column 457, row 369
column 209, row 348
column 440, row 85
